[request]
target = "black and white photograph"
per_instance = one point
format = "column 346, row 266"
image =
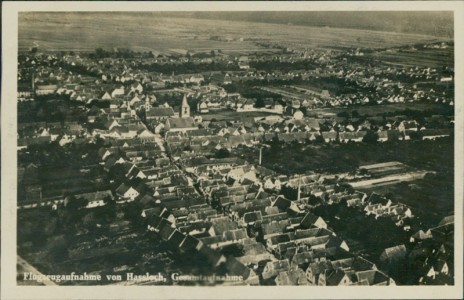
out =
column 210, row 147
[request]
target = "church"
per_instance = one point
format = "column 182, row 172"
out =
column 184, row 122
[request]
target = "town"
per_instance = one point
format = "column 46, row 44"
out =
column 280, row 165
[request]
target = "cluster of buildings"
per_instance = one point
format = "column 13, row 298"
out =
column 222, row 210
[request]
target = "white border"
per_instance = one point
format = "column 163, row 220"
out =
column 9, row 289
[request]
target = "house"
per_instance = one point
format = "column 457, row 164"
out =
column 236, row 268
column 292, row 277
column 272, row 184
column 251, row 218
column 136, row 87
column 432, row 134
column 329, row 136
column 438, row 267
column 180, row 124
column 408, row 126
column 393, row 254
column 316, row 269
column 202, row 107
column 159, row 113
column 273, row 268
column 420, row 236
column 310, row 221
column 196, row 78
column 337, row 277
column 45, row 89
column 253, row 254
column 96, row 199
column 373, row 278
column 294, row 112
column 190, row 244
column 127, row 193
column 356, row 136
column 117, row 92
column 243, row 105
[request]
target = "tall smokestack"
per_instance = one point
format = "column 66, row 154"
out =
column 299, row 188
column 33, row 84
column 260, row 155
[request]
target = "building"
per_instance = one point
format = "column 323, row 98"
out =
column 184, row 108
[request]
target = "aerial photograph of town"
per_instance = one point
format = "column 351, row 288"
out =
column 235, row 148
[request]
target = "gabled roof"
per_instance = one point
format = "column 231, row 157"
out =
column 180, row 123
column 278, row 239
column 234, row 267
column 235, row 235
column 371, row 277
column 176, row 239
column 292, row 277
column 309, row 220
column 334, row 277
column 189, row 243
column 94, row 196
column 223, row 224
column 446, row 220
column 252, row 216
column 320, row 267
column 122, row 189
column 394, row 253
column 160, row 112
column 166, row 231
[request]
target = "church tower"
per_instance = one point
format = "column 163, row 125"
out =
column 184, row 108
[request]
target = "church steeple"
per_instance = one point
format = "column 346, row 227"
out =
column 184, row 108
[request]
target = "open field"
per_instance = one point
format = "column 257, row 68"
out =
column 431, row 198
column 378, row 110
column 87, row 31
column 387, row 180
column 433, row 58
column 228, row 115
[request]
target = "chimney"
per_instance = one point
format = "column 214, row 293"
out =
column 260, row 155
column 299, row 188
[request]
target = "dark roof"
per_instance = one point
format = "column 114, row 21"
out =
column 160, row 112
column 334, row 277
column 394, row 253
column 371, row 277
column 234, row 267
column 176, row 123
column 252, row 216
column 309, row 220
column 176, row 239
column 165, row 231
column 189, row 243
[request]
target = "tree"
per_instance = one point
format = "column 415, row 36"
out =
column 260, row 103
column 222, row 153
column 57, row 248
column 371, row 137
column 343, row 114
column 416, row 135
column 73, row 203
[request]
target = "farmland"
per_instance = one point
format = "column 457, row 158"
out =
column 435, row 58
column 155, row 33
column 228, row 115
column 378, row 110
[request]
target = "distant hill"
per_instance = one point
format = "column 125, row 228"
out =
column 438, row 23
column 167, row 32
